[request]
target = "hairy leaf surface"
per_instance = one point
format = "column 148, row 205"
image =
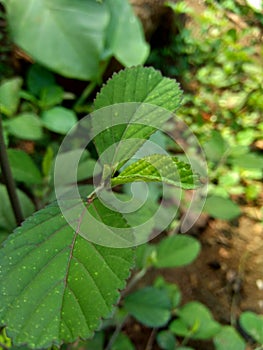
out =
column 55, row 286
column 132, row 106
column 158, row 168
column 140, row 84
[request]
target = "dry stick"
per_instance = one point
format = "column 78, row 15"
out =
column 149, row 344
column 8, row 178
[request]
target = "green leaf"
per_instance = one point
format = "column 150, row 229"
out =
column 39, row 78
column 42, row 29
column 26, row 126
column 229, row 338
column 50, row 96
column 175, row 251
column 247, row 161
column 215, row 147
column 166, row 340
column 253, row 325
column 178, row 327
column 59, row 119
column 9, row 96
column 125, row 35
column 198, row 320
column 172, row 290
column 145, row 255
column 145, row 85
column 47, row 162
column 138, row 214
column 158, row 168
column 135, row 111
column 7, row 219
column 96, row 343
column 98, row 30
column 221, row 208
column 53, row 279
column 150, row 306
column 86, row 168
column 122, row 342
column 23, row 167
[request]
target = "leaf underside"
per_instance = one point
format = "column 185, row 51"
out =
column 158, row 168
column 52, row 279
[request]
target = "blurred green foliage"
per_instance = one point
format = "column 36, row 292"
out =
column 217, row 57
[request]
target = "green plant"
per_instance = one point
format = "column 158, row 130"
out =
column 53, row 275
column 26, row 118
column 222, row 79
column 84, row 35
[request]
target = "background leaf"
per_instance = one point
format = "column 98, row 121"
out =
column 229, row 338
column 216, row 146
column 9, row 96
column 59, row 119
column 39, row 78
column 50, row 96
column 123, row 26
column 98, row 30
column 122, row 342
column 52, row 278
column 221, row 208
column 177, row 250
column 26, row 126
column 247, row 161
column 150, row 306
column 7, row 219
column 166, row 340
column 23, row 168
column 41, row 28
column 96, row 343
column 198, row 322
column 253, row 325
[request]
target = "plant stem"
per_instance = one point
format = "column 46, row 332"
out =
column 136, row 278
column 8, row 179
column 92, row 85
column 150, row 341
column 85, row 94
column 118, row 328
column 116, row 333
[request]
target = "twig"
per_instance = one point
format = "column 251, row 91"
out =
column 85, row 94
column 92, row 85
column 149, row 344
column 116, row 333
column 136, row 278
column 8, row 179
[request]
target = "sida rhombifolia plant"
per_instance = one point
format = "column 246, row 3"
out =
column 62, row 270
